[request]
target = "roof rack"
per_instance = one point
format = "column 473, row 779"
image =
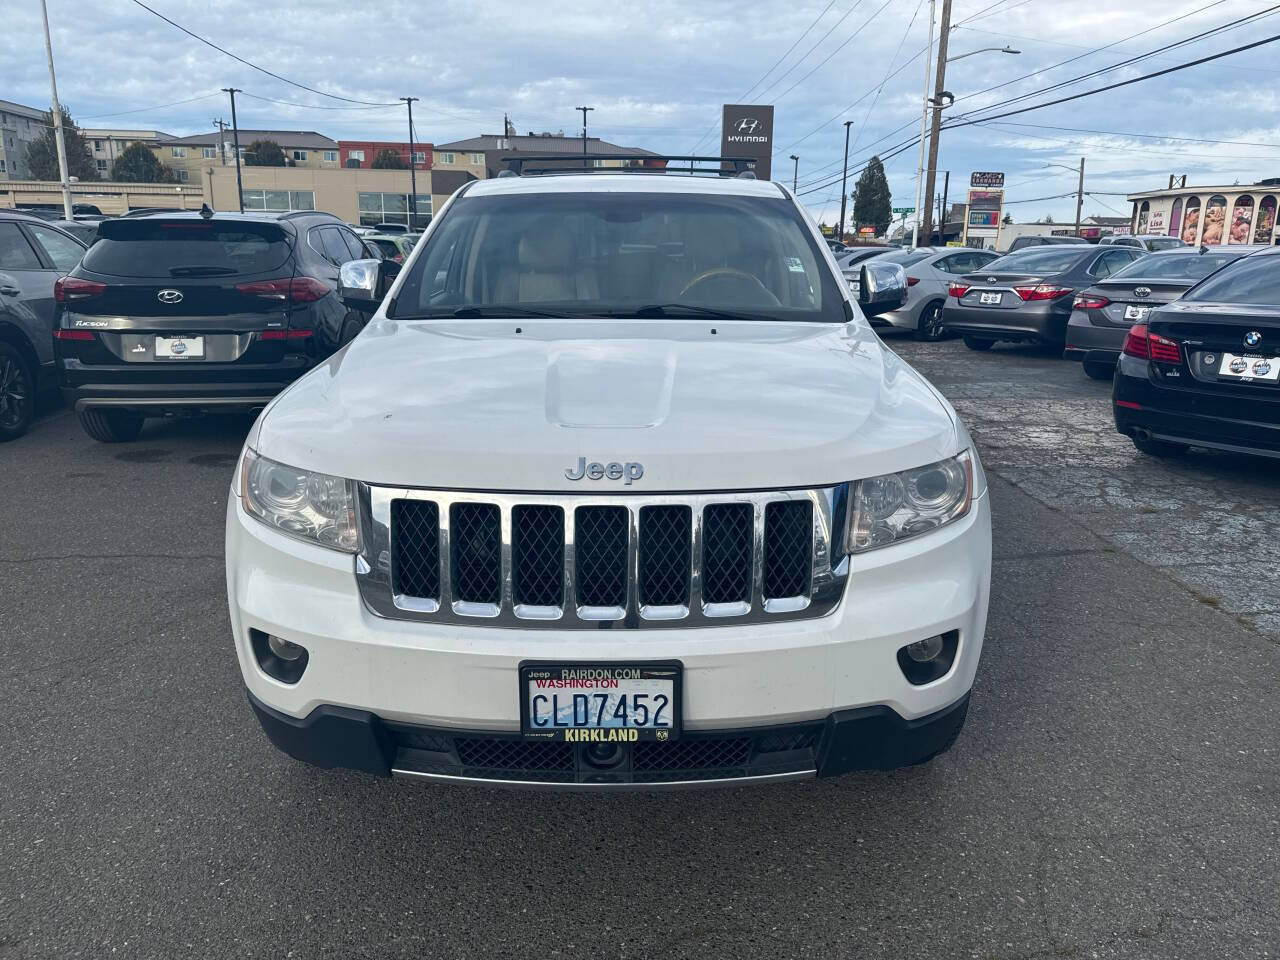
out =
column 563, row 163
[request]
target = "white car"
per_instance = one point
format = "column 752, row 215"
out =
column 618, row 490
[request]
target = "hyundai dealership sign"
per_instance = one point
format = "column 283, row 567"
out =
column 747, row 131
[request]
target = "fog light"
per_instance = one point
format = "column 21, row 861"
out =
column 922, row 651
column 291, row 651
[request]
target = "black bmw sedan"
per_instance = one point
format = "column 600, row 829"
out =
column 1205, row 369
column 1102, row 314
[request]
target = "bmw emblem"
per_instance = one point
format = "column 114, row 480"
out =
column 1252, row 338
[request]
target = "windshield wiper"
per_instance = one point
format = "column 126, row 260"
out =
column 201, row 271
column 481, row 313
column 685, row 310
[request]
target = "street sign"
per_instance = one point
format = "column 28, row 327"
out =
column 986, row 178
column 904, row 210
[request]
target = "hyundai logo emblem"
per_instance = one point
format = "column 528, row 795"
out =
column 1142, row 291
column 747, row 125
column 1252, row 338
column 169, row 296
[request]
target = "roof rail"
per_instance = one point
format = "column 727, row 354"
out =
column 567, row 163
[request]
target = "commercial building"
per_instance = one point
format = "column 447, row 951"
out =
column 19, row 125
column 1210, row 215
column 1092, row 228
column 188, row 156
column 360, row 154
column 107, row 145
column 108, row 197
column 482, row 156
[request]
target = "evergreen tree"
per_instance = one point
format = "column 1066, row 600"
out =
column 264, row 153
column 139, row 164
column 872, row 203
column 42, row 153
column 388, row 159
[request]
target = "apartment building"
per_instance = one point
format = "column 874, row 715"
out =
column 108, row 144
column 360, row 154
column 19, row 125
column 187, row 157
column 482, row 156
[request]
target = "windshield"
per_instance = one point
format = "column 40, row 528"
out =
column 1051, row 259
column 610, row 254
column 1166, row 243
column 1183, row 266
column 905, row 257
column 174, row 248
column 1251, row 280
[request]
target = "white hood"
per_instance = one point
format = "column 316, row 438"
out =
column 700, row 405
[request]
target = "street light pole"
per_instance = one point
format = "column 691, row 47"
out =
column 795, row 174
column 585, row 111
column 924, row 120
column 939, row 85
column 844, row 178
column 413, row 168
column 57, row 120
column 235, row 143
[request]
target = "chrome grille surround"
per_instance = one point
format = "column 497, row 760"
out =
column 374, row 573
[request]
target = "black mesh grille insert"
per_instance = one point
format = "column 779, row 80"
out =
column 537, row 555
column 415, row 533
column 513, row 754
column 664, row 555
column 788, row 548
column 692, row 754
column 726, row 552
column 475, row 537
column 600, row 556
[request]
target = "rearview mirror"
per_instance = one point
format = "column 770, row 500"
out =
column 881, row 287
column 363, row 283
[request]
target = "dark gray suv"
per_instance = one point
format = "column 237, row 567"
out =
column 33, row 254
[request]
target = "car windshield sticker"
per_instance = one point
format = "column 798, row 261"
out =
column 794, row 265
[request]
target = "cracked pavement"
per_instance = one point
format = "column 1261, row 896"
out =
column 1115, row 794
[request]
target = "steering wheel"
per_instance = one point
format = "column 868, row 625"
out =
column 735, row 274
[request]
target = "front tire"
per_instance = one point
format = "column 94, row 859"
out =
column 17, row 393
column 1159, row 448
column 111, row 426
column 930, row 326
column 978, row 343
column 1099, row 371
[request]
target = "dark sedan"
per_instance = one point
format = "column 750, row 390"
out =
column 1205, row 369
column 1027, row 295
column 1103, row 314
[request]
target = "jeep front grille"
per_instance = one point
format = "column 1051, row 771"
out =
column 546, row 560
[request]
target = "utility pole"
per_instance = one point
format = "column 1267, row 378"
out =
column 844, row 179
column 1079, row 196
column 795, row 173
column 939, row 85
column 924, row 119
column 235, row 142
column 942, row 212
column 222, row 139
column 413, row 168
column 57, row 121
column 584, row 110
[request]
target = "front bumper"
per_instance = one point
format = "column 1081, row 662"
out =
column 462, row 681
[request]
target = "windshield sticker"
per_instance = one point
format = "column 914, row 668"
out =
column 794, row 264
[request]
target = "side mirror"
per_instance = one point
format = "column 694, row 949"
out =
column 881, row 287
column 363, row 283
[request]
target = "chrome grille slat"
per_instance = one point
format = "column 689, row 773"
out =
column 553, row 554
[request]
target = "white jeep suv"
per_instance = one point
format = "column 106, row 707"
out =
column 618, row 489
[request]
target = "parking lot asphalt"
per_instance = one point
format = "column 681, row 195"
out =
column 1116, row 792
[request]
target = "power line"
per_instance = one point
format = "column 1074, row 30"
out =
column 825, row 61
column 247, row 63
column 1142, row 136
column 308, row 106
column 821, row 40
column 160, row 106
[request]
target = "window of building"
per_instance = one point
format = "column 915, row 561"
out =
column 179, row 152
column 183, row 175
column 477, row 158
column 356, row 155
column 331, row 156
column 1175, row 217
column 279, row 201
column 102, row 166
column 1191, row 220
column 97, row 145
column 378, row 208
column 419, row 157
column 209, row 153
column 597, row 163
column 1242, row 220
column 1266, row 221
column 2, row 170
column 1144, row 212
column 446, row 158
column 300, row 155
column 1215, row 221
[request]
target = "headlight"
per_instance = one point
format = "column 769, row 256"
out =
column 899, row 506
column 311, row 506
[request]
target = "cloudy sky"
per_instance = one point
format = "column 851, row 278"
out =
column 657, row 71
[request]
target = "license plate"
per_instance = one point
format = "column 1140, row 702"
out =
column 1249, row 367
column 600, row 702
column 988, row 298
column 1136, row 313
column 180, row 348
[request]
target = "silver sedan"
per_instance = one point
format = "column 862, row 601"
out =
column 929, row 271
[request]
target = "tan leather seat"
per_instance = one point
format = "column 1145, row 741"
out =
column 546, row 271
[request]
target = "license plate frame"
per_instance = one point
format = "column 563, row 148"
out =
column 1135, row 312
column 990, row 299
column 646, row 671
column 179, row 348
column 1250, row 374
